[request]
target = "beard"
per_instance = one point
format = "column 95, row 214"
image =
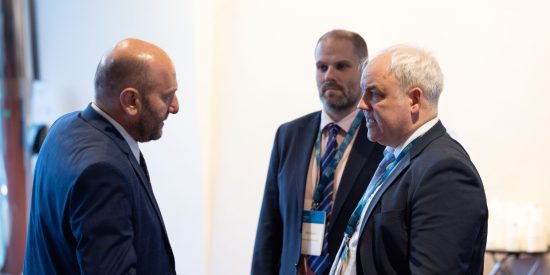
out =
column 149, row 125
column 339, row 99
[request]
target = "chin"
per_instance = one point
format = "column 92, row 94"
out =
column 151, row 137
column 373, row 138
column 156, row 137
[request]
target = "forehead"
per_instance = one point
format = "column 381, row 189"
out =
column 377, row 72
column 163, row 74
column 332, row 49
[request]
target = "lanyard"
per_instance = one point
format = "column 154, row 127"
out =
column 354, row 218
column 328, row 173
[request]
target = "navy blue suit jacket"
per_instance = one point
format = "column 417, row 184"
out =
column 430, row 217
column 93, row 210
column 278, row 238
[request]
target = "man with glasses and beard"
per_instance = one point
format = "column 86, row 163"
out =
column 93, row 210
column 320, row 165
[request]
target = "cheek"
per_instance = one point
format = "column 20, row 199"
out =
column 159, row 109
column 355, row 87
column 385, row 118
column 375, row 133
column 318, row 79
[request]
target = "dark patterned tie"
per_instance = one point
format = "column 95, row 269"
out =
column 143, row 166
column 318, row 264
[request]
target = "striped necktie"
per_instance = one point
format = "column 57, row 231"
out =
column 389, row 157
column 343, row 261
column 318, row 264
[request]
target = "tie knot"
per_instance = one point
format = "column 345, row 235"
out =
column 333, row 129
column 388, row 158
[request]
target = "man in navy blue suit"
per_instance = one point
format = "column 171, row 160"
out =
column 426, row 213
column 93, row 210
column 294, row 170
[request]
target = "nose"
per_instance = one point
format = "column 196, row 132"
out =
column 329, row 73
column 363, row 103
column 174, row 106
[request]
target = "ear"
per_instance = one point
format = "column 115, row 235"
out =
column 130, row 100
column 415, row 93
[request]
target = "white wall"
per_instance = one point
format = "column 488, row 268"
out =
column 73, row 35
column 246, row 66
column 494, row 55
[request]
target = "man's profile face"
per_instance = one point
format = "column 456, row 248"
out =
column 337, row 74
column 157, row 104
column 386, row 106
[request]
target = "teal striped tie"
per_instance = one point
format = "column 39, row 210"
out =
column 319, row 264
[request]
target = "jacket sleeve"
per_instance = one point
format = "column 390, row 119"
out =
column 100, row 219
column 269, row 235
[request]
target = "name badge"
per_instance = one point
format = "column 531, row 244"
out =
column 313, row 232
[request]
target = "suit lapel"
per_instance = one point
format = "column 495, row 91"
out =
column 148, row 188
column 305, row 142
column 104, row 126
column 358, row 156
column 401, row 166
column 435, row 132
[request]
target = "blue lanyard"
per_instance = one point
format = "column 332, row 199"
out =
column 328, row 173
column 354, row 218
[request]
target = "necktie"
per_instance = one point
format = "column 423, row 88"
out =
column 380, row 170
column 382, row 166
column 343, row 265
column 143, row 166
column 318, row 264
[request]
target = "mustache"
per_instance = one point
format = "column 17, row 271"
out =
column 331, row 85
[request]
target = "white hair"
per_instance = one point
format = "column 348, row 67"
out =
column 416, row 67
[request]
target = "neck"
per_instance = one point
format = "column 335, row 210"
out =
column 414, row 127
column 337, row 115
column 117, row 116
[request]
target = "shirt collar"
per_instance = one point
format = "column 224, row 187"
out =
column 417, row 133
column 129, row 139
column 344, row 123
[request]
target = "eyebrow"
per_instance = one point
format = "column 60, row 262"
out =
column 371, row 87
column 347, row 61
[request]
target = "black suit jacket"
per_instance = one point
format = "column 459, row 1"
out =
column 278, row 238
column 93, row 210
column 430, row 217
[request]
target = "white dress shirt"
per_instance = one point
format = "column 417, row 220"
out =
column 313, row 171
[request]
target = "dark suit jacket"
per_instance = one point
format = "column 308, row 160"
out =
column 93, row 210
column 278, row 238
column 428, row 218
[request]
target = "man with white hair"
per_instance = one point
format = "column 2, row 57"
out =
column 424, row 211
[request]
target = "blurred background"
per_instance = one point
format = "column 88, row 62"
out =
column 246, row 66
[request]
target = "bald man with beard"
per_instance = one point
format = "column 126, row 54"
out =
column 93, row 210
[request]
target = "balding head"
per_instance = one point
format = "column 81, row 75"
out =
column 135, row 84
column 128, row 64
